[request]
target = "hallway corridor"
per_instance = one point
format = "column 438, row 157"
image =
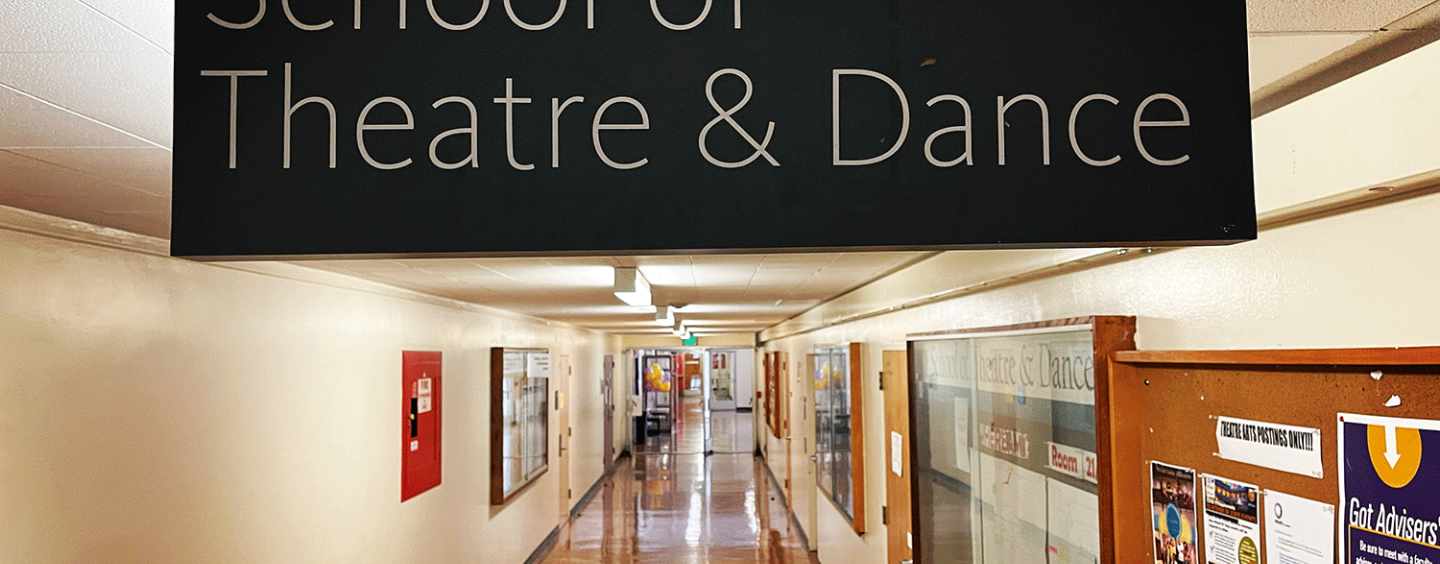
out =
column 686, row 508
column 671, row 503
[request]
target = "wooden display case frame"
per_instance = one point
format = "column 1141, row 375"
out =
column 498, row 496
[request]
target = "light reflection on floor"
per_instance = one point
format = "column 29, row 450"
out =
column 675, row 504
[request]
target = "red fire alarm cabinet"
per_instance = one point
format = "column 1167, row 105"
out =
column 420, row 423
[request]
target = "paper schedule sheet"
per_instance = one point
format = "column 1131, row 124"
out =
column 1298, row 530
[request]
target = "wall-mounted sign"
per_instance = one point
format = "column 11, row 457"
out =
column 312, row 127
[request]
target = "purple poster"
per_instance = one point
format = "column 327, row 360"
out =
column 1389, row 490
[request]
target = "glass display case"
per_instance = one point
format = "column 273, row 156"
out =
column 839, row 447
column 1005, row 430
column 519, row 420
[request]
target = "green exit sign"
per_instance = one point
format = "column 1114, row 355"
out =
column 690, row 342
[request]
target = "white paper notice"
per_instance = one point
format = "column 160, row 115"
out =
column 1270, row 445
column 1232, row 522
column 1298, row 530
column 962, row 435
column 897, row 444
column 539, row 365
column 425, row 393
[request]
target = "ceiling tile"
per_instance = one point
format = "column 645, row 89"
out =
column 1327, row 15
column 1272, row 57
column 147, row 170
column 26, row 122
column 69, row 192
column 132, row 92
column 50, row 26
column 153, row 20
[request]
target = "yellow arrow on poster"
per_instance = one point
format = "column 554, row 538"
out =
column 1395, row 452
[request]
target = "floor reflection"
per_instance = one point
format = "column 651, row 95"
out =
column 674, row 504
column 732, row 431
column 686, row 433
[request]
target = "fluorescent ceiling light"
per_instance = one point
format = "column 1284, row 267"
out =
column 631, row 287
column 664, row 315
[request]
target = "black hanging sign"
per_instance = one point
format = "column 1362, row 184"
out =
column 511, row 127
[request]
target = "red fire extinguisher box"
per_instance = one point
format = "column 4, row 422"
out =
column 420, row 423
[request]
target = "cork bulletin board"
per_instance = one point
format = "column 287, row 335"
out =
column 1167, row 405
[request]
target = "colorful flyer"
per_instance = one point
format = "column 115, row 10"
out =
column 1232, row 522
column 1389, row 490
column 1172, row 512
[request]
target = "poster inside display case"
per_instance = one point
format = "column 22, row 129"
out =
column 1005, row 423
column 519, row 420
column 839, row 433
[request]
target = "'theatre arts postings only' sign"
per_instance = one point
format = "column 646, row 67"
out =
column 489, row 127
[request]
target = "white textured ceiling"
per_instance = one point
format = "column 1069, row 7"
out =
column 1287, row 35
column 85, row 110
column 85, row 134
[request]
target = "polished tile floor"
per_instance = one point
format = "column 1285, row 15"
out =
column 675, row 504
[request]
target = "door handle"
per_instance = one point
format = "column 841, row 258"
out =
column 907, row 562
column 414, row 417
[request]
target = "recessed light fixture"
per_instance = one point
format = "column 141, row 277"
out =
column 631, row 286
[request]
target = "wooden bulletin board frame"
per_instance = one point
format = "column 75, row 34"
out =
column 1167, row 401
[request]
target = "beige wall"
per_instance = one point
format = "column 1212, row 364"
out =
column 155, row 410
column 1362, row 279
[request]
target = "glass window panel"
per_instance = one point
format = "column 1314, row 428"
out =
column 834, row 467
column 524, row 408
column 823, row 466
column 991, row 411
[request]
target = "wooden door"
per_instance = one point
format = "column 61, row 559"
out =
column 806, row 490
column 896, row 381
column 783, row 416
column 561, row 379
